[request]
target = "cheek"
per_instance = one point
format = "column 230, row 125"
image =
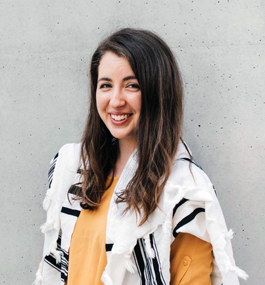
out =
column 102, row 103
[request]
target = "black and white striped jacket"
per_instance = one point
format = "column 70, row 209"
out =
column 137, row 255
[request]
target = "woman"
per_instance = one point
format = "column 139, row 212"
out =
column 128, row 205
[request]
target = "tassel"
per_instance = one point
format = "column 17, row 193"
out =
column 239, row 272
column 39, row 278
column 49, row 225
column 106, row 279
column 57, row 254
column 46, row 203
column 47, row 200
column 37, row 281
column 229, row 234
column 129, row 264
column 149, row 249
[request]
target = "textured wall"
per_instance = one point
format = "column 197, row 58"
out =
column 45, row 51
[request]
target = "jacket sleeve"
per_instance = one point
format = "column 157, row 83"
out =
column 198, row 213
column 61, row 174
column 190, row 260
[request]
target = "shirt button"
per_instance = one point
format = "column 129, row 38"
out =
column 185, row 262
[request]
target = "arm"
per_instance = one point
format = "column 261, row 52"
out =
column 190, row 261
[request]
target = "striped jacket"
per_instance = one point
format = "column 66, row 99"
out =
column 137, row 255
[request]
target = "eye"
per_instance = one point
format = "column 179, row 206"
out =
column 104, row 85
column 134, row 86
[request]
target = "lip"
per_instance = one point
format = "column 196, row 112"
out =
column 116, row 113
column 119, row 123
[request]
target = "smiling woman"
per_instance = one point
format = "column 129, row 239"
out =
column 128, row 205
column 118, row 99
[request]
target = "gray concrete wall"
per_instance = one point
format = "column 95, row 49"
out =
column 45, row 52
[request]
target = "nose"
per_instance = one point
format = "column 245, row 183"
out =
column 117, row 99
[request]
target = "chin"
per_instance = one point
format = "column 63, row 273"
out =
column 118, row 136
column 123, row 136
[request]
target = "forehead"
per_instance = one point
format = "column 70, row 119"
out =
column 111, row 63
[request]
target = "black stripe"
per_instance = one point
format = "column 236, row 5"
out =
column 147, row 269
column 70, row 212
column 64, row 266
column 109, row 246
column 192, row 161
column 186, row 147
column 50, row 259
column 59, row 242
column 181, row 202
column 140, row 261
column 187, row 219
column 65, row 254
column 51, row 170
column 156, row 265
column 52, row 262
column 137, row 265
column 63, row 277
column 215, row 194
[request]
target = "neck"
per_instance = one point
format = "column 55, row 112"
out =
column 126, row 148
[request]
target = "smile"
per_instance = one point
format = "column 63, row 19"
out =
column 119, row 118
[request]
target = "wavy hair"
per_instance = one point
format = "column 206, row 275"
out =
column 159, row 130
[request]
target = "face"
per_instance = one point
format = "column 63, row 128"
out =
column 118, row 97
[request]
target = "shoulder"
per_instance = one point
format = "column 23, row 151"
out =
column 70, row 149
column 69, row 153
column 67, row 159
column 187, row 183
column 186, row 172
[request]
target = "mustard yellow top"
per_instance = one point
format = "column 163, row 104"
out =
column 87, row 253
column 190, row 260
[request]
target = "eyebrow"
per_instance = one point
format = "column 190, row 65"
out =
column 124, row 79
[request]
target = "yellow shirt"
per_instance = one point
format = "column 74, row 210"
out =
column 190, row 260
column 87, row 254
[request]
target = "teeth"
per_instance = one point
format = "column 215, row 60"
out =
column 119, row 117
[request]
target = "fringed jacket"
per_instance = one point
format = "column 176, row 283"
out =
column 137, row 254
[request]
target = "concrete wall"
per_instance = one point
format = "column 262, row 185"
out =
column 45, row 52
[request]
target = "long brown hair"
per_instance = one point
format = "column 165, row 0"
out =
column 160, row 123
